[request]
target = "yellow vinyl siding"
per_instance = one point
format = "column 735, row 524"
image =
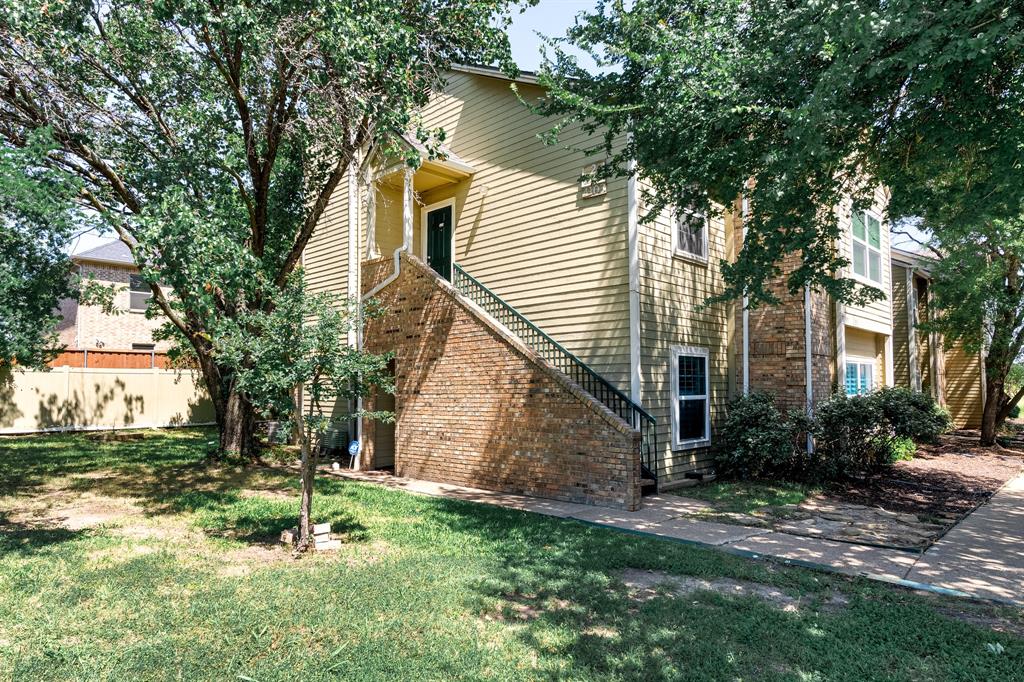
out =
column 672, row 292
column 900, row 327
column 524, row 230
column 521, row 225
column 325, row 258
column 962, row 387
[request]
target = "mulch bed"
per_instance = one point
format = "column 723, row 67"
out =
column 947, row 480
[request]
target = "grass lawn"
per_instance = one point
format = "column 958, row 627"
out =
column 744, row 497
column 134, row 560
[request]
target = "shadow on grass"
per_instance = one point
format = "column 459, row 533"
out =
column 25, row 538
column 30, row 461
column 258, row 520
column 561, row 584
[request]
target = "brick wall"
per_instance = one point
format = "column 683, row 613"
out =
column 777, row 345
column 475, row 407
column 89, row 327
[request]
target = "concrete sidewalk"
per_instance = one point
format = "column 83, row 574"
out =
column 981, row 557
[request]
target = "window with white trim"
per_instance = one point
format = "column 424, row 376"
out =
column 867, row 246
column 690, row 233
column 139, row 294
column 860, row 376
column 691, row 403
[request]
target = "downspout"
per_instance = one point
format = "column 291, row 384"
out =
column 633, row 223
column 404, row 248
column 746, row 310
column 808, row 373
column 406, row 236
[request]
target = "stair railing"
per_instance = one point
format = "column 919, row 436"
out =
column 567, row 363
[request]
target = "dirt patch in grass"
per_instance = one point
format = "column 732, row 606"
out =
column 646, row 585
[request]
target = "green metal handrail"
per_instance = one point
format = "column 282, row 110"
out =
column 567, row 363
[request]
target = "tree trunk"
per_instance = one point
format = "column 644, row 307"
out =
column 990, row 416
column 237, row 427
column 308, row 471
column 235, row 416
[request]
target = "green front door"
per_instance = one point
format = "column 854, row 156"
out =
column 439, row 241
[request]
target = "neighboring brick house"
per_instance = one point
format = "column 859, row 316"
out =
column 549, row 341
column 88, row 327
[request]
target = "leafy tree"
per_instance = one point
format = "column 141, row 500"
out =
column 302, row 367
column 800, row 105
column 978, row 300
column 211, row 135
column 35, row 270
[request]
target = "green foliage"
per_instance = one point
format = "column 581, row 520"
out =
column 36, row 227
column 912, row 414
column 978, row 302
column 799, row 107
column 901, row 449
column 211, row 136
column 299, row 341
column 851, row 434
column 757, row 441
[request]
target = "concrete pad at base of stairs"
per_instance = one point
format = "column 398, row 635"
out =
column 704, row 532
column 891, row 564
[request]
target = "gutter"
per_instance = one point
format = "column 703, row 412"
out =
column 808, row 372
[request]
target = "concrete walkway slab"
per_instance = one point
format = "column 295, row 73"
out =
column 879, row 562
column 983, row 555
column 704, row 532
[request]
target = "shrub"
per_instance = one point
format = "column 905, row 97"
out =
column 901, row 449
column 912, row 415
column 755, row 440
column 1015, row 411
column 850, row 435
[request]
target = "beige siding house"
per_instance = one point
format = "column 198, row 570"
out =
column 955, row 378
column 550, row 339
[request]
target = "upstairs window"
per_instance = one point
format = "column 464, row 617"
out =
column 690, row 234
column 691, row 404
column 867, row 246
column 139, row 294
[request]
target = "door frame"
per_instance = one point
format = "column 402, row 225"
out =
column 423, row 229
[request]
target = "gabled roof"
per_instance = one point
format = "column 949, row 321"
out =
column 114, row 252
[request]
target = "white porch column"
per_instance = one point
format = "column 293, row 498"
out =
column 353, row 239
column 372, row 251
column 407, row 200
column 912, row 360
column 841, row 346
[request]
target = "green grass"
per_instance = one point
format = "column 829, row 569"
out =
column 744, row 497
column 180, row 582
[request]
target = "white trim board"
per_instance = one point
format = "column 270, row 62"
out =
column 673, row 365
